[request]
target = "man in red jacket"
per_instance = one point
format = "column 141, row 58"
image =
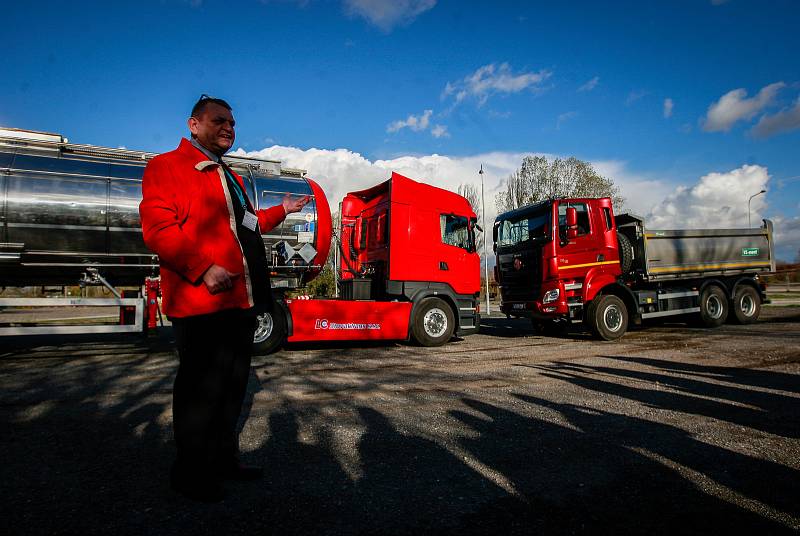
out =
column 197, row 218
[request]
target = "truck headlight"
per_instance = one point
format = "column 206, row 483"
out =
column 551, row 295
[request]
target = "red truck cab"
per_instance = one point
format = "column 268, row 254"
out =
column 408, row 269
column 555, row 254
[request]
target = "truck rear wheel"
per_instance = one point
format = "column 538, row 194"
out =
column 433, row 322
column 746, row 305
column 270, row 331
column 713, row 307
column 607, row 317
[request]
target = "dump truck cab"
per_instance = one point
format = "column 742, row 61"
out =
column 554, row 254
column 574, row 260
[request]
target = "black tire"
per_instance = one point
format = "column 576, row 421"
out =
column 270, row 332
column 433, row 323
column 746, row 305
column 607, row 317
column 625, row 253
column 550, row 328
column 713, row 307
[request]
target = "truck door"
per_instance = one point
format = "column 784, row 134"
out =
column 575, row 253
column 457, row 261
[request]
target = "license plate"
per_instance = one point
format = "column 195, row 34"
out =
column 519, row 306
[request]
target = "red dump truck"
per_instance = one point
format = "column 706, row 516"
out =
column 572, row 260
column 408, row 270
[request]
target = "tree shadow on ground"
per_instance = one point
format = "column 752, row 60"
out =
column 86, row 446
column 586, row 478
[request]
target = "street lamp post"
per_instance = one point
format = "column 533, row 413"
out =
column 485, row 257
column 748, row 207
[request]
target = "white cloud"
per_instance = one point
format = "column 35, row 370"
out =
column 413, row 122
column 786, row 232
column 440, row 131
column 340, row 171
column 784, row 121
column 565, row 117
column 635, row 95
column 494, row 79
column 590, row 85
column 419, row 123
column 717, row 200
column 668, row 106
column 388, row 14
column 734, row 106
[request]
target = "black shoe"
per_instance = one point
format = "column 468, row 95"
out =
column 207, row 491
column 239, row 471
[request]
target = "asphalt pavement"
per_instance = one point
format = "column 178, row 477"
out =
column 673, row 429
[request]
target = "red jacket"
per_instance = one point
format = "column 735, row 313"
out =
column 188, row 221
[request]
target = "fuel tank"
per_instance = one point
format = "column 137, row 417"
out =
column 66, row 207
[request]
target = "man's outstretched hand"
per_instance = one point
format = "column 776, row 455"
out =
column 295, row 205
column 217, row 279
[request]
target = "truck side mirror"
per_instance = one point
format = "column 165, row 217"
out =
column 572, row 218
column 572, row 223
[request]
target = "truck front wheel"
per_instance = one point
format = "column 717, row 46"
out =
column 433, row 322
column 270, row 331
column 746, row 305
column 607, row 317
column 713, row 307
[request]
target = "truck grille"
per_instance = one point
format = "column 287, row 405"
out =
column 521, row 284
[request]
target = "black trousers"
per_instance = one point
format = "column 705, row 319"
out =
column 214, row 352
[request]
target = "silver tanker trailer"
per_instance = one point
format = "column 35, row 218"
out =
column 69, row 215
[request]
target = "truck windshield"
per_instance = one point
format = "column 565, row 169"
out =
column 534, row 226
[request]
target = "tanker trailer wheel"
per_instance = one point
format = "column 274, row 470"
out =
column 607, row 317
column 746, row 305
column 433, row 322
column 713, row 307
column 625, row 253
column 270, row 331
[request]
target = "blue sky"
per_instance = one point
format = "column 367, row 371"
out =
column 691, row 106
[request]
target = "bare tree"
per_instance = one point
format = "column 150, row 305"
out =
column 471, row 193
column 538, row 179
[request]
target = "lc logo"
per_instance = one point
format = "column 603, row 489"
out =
column 321, row 323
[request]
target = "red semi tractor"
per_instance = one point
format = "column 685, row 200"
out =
column 573, row 260
column 408, row 270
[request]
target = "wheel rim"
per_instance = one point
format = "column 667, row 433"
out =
column 264, row 326
column 714, row 306
column 747, row 305
column 612, row 318
column 434, row 322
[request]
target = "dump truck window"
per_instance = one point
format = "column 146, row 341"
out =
column 607, row 215
column 583, row 218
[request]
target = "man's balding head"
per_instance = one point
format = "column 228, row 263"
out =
column 211, row 123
